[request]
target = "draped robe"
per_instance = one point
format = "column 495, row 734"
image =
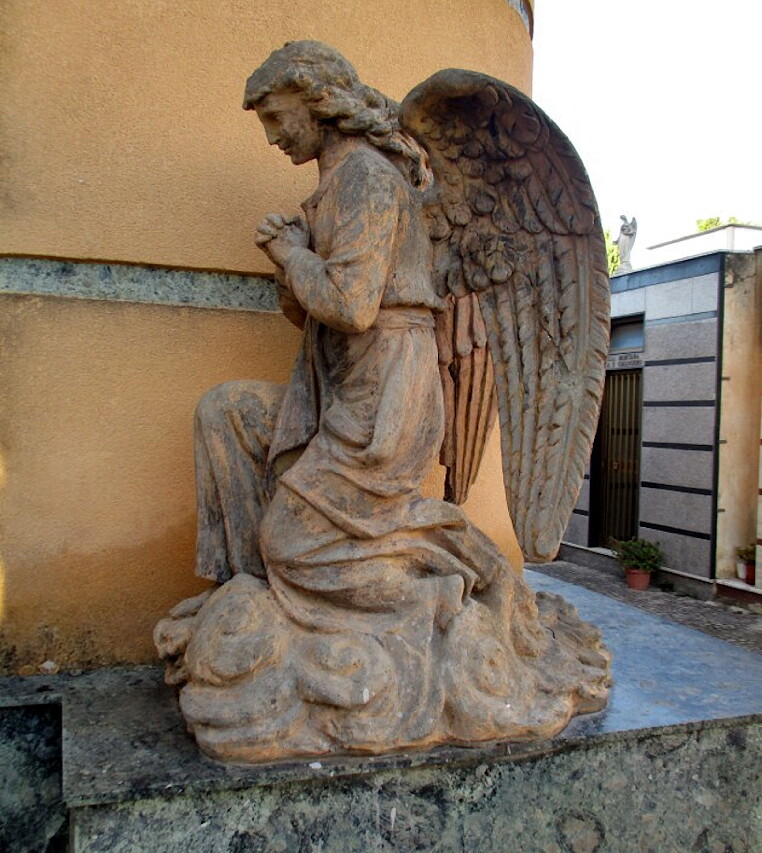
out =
column 345, row 527
column 353, row 613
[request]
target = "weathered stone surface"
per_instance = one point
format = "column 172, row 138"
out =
column 260, row 688
column 514, row 224
column 694, row 790
column 31, row 806
column 354, row 615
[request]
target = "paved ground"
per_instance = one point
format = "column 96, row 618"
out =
column 734, row 624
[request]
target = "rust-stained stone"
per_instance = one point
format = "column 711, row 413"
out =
column 354, row 615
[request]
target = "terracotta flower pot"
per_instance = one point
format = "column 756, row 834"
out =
column 751, row 574
column 637, row 578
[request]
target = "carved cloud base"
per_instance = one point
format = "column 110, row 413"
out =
column 256, row 686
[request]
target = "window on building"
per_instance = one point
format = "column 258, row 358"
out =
column 626, row 335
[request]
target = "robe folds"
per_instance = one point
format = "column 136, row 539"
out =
column 354, row 614
column 344, row 527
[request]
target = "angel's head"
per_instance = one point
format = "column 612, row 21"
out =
column 329, row 89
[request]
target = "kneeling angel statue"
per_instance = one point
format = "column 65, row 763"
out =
column 448, row 270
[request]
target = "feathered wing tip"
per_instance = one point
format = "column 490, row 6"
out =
column 516, row 232
column 468, row 383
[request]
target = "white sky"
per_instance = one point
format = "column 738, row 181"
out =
column 663, row 101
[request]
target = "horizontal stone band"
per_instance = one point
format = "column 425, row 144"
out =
column 137, row 283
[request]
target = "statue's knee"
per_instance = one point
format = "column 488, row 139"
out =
column 215, row 404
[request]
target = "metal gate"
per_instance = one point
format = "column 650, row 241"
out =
column 615, row 467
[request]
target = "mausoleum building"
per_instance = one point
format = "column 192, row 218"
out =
column 677, row 455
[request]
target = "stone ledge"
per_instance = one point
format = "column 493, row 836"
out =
column 124, row 737
column 693, row 789
column 32, row 811
column 671, row 764
column 594, row 558
column 603, row 560
column 119, row 282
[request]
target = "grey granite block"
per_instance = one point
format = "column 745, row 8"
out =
column 693, row 790
column 675, row 467
column 663, row 785
column 697, row 339
column 675, row 426
column 137, row 283
column 124, row 737
column 681, row 382
column 676, row 509
column 670, row 764
column 682, row 553
column 31, row 806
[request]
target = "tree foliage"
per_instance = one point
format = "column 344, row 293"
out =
column 716, row 222
column 612, row 252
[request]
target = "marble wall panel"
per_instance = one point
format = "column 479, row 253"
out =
column 583, row 501
column 671, row 299
column 693, row 468
column 577, row 530
column 683, row 297
column 683, row 510
column 694, row 339
column 678, row 425
column 628, row 302
column 682, row 553
column 680, row 382
column 705, row 293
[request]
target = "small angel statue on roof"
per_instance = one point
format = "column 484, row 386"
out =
column 449, row 269
column 628, row 231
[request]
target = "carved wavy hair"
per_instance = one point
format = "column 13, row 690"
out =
column 334, row 94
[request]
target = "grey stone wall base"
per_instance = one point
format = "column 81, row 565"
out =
column 692, row 790
column 32, row 811
column 596, row 559
column 592, row 558
column 685, row 585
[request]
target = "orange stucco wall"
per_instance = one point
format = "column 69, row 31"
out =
column 96, row 415
column 96, row 436
column 124, row 139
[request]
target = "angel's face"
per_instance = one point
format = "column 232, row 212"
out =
column 290, row 125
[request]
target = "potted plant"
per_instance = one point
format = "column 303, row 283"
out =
column 638, row 558
column 747, row 555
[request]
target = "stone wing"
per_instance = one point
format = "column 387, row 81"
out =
column 516, row 236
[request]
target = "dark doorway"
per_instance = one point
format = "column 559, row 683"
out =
column 615, row 463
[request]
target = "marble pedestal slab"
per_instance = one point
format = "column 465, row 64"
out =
column 673, row 763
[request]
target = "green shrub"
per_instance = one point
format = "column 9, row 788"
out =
column 637, row 554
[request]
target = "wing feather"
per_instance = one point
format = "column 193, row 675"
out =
column 517, row 229
column 470, row 398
